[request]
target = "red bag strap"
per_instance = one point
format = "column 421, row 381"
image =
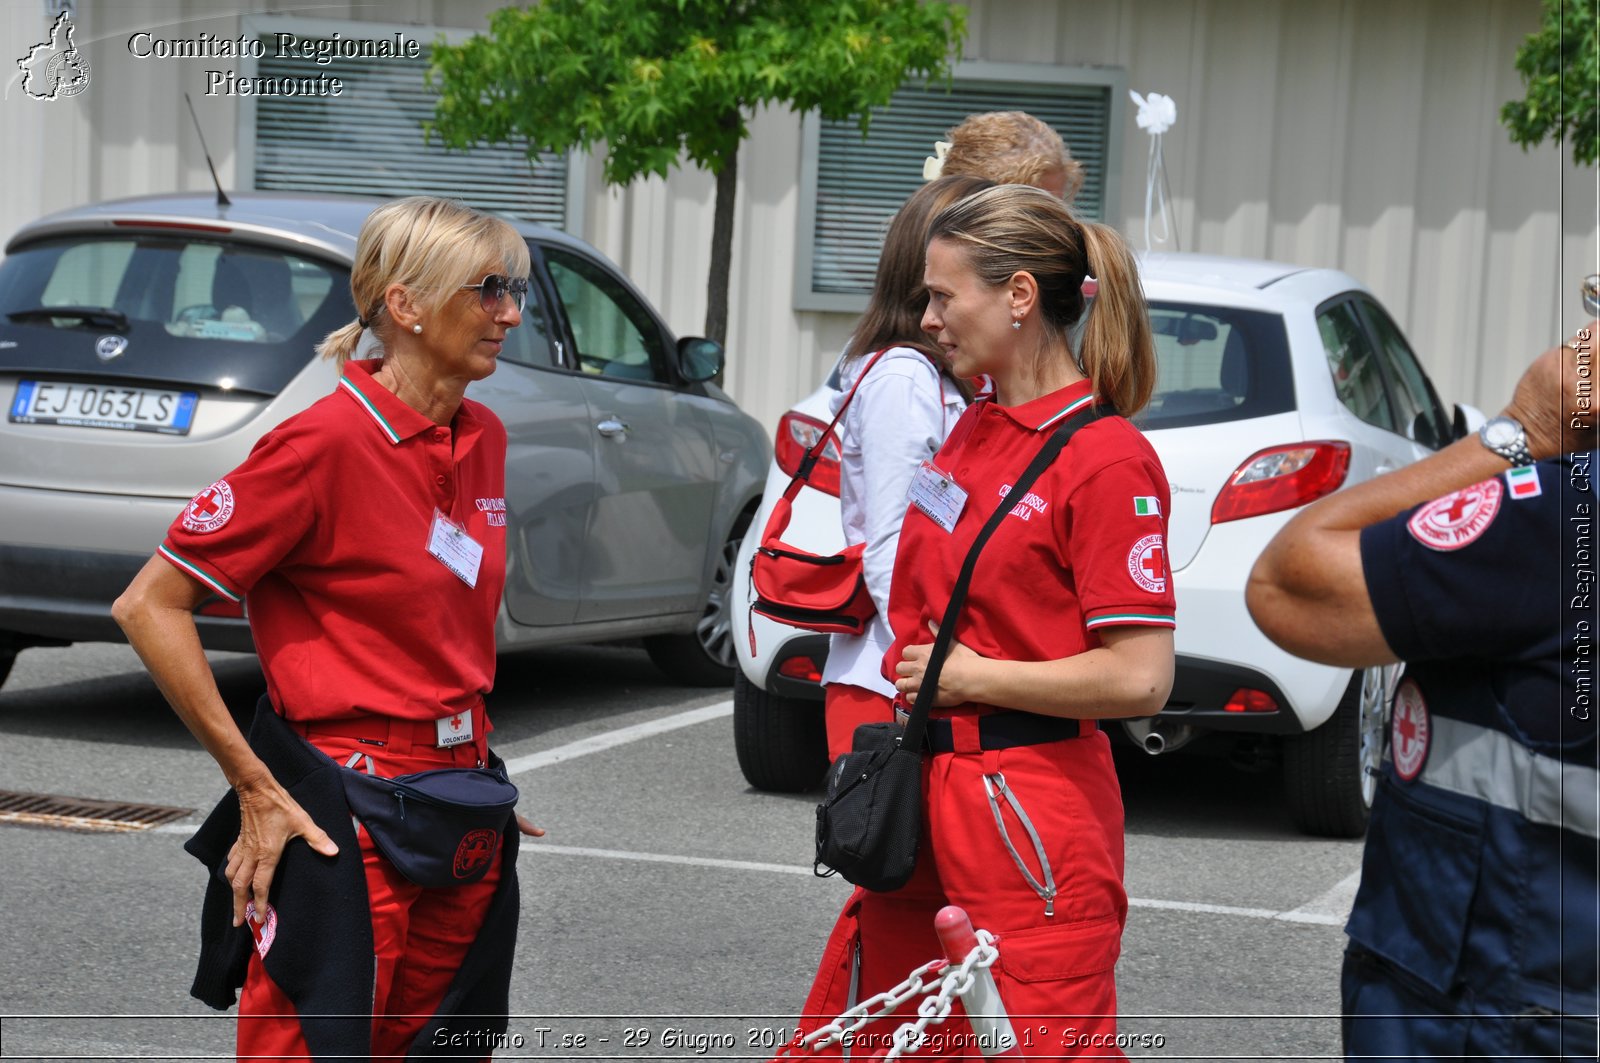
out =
column 802, row 475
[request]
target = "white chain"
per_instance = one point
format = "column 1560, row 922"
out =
column 950, row 981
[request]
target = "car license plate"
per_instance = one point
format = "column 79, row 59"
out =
column 103, row 406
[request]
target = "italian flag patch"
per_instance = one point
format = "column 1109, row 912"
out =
column 1146, row 506
column 1524, row 482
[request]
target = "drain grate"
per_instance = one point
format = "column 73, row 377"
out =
column 83, row 813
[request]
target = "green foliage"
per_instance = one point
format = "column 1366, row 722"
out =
column 657, row 80
column 1561, row 67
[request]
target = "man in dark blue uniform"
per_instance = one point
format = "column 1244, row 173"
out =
column 1475, row 930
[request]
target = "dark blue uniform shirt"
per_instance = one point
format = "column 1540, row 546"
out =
column 1479, row 881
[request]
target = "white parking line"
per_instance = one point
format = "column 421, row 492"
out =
column 621, row 736
column 535, row 849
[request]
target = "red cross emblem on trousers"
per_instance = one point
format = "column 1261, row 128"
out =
column 1410, row 731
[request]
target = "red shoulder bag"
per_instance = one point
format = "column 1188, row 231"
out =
column 796, row 587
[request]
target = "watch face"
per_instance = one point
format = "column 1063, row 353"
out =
column 1500, row 432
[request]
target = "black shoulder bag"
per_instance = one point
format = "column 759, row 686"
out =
column 870, row 818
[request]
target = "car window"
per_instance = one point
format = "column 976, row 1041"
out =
column 615, row 335
column 1357, row 375
column 1421, row 417
column 1216, row 364
column 192, row 288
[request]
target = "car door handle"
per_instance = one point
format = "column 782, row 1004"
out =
column 1384, row 467
column 611, row 427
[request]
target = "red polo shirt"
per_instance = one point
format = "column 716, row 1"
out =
column 1084, row 549
column 324, row 530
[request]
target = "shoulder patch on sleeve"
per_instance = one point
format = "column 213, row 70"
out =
column 210, row 509
column 1451, row 522
column 1147, row 563
column 1523, row 482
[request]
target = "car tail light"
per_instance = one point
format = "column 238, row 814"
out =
column 797, row 434
column 801, row 668
column 1282, row 478
column 1246, row 700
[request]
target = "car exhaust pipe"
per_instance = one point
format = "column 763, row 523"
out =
column 1156, row 735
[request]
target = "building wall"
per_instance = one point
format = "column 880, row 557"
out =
column 1357, row 134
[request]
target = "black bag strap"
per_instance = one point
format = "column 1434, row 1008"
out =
column 912, row 737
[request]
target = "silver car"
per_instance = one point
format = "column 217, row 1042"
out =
column 145, row 345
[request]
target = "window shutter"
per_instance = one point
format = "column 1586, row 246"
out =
column 861, row 183
column 369, row 141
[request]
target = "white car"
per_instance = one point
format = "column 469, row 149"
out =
column 1278, row 384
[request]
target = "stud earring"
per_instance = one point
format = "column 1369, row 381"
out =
column 417, row 328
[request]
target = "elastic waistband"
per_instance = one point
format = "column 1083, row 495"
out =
column 1003, row 730
column 400, row 737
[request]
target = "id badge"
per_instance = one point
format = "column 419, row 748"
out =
column 453, row 730
column 936, row 493
column 453, row 548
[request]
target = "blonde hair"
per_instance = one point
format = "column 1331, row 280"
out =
column 1011, row 147
column 429, row 245
column 1014, row 229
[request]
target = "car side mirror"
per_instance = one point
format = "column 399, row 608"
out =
column 1467, row 419
column 699, row 359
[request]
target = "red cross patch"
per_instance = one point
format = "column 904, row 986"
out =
column 210, row 509
column 1451, row 522
column 1408, row 738
column 1147, row 563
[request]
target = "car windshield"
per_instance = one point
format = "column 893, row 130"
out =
column 1216, row 364
column 192, row 288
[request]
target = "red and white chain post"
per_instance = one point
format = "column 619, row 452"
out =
column 985, row 1011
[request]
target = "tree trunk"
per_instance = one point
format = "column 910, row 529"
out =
column 722, row 248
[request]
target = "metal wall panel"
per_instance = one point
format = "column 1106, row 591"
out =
column 1358, row 134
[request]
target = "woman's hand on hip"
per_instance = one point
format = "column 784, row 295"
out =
column 525, row 826
column 268, row 819
column 957, row 682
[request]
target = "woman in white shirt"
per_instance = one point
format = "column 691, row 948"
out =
column 900, row 415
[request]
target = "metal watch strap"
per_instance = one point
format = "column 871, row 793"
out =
column 1516, row 451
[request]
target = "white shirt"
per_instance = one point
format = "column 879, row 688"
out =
column 898, row 419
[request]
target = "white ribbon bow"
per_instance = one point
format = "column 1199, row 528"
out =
column 933, row 165
column 1157, row 114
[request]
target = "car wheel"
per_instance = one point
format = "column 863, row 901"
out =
column 705, row 656
column 781, row 743
column 1331, row 773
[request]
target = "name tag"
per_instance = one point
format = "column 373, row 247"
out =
column 453, row 730
column 457, row 551
column 936, row 494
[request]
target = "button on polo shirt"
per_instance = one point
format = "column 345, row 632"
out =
column 1083, row 549
column 324, row 532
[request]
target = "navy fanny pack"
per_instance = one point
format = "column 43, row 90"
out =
column 439, row 828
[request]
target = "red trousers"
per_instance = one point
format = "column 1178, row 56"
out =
column 846, row 707
column 1056, row 971
column 420, row 936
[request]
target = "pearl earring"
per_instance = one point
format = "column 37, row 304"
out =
column 417, row 328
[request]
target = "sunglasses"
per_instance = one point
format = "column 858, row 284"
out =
column 495, row 287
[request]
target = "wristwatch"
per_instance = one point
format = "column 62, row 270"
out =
column 1507, row 438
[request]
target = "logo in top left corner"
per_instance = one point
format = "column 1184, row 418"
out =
column 210, row 509
column 55, row 68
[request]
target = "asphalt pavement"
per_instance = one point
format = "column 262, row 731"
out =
column 671, row 913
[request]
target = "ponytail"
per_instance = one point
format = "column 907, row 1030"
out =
column 1118, row 352
column 341, row 343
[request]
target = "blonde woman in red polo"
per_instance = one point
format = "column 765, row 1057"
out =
column 1068, row 621
column 363, row 534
